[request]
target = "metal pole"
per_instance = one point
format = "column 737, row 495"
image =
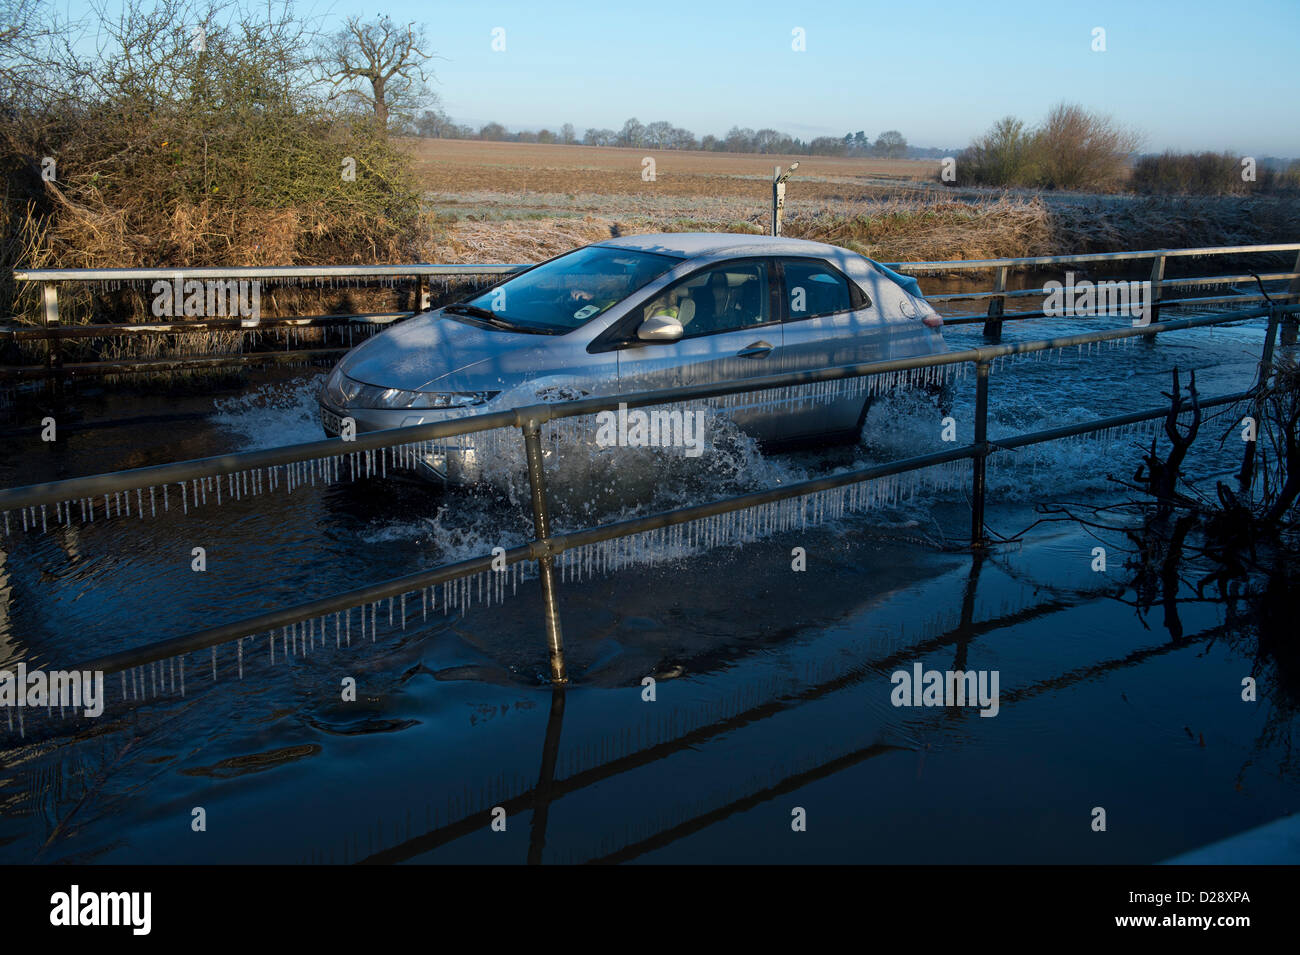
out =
column 545, row 563
column 1157, row 276
column 778, row 200
column 53, row 349
column 993, row 324
column 981, row 448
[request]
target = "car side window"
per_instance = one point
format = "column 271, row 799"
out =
column 814, row 288
column 727, row 297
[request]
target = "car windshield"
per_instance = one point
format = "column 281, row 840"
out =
column 567, row 292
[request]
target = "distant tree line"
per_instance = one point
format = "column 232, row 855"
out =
column 891, row 144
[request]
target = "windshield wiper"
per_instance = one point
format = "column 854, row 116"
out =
column 476, row 312
column 495, row 320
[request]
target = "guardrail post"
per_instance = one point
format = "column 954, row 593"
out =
column 545, row 563
column 977, row 539
column 1157, row 276
column 1292, row 320
column 421, row 303
column 997, row 305
column 53, row 351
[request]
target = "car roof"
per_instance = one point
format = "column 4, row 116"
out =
column 692, row 245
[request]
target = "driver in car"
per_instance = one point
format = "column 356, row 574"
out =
column 586, row 301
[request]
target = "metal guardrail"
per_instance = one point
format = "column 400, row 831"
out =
column 546, row 546
column 54, row 333
column 999, row 294
column 420, row 274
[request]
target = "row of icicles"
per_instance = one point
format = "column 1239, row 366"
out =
column 492, row 446
column 201, row 491
column 1150, row 428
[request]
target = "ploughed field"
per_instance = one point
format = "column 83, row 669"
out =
column 518, row 202
column 452, row 165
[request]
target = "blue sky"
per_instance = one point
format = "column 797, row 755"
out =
column 1188, row 75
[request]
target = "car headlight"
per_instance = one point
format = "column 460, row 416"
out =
column 339, row 389
column 371, row 396
column 343, row 392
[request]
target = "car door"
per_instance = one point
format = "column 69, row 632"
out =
column 828, row 320
column 732, row 331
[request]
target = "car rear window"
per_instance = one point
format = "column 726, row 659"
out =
column 814, row 289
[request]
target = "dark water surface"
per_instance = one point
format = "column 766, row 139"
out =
column 773, row 689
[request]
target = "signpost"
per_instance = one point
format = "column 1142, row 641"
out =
column 778, row 195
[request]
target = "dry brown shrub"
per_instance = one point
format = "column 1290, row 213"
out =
column 933, row 230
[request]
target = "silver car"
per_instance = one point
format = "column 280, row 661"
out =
column 639, row 313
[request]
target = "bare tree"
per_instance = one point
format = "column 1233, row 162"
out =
column 380, row 64
column 1077, row 149
column 890, row 144
column 633, row 133
column 658, row 134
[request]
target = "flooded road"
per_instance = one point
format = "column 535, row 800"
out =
column 772, row 687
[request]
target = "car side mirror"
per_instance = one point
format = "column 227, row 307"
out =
column 660, row 328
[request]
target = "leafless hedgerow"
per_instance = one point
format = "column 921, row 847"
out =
column 196, row 133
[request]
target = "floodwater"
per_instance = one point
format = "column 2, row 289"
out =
column 771, row 687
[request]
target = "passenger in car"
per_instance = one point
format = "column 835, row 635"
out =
column 666, row 307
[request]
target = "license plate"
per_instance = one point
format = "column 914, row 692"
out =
column 331, row 422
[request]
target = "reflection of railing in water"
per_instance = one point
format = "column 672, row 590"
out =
column 550, row 789
column 254, row 472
